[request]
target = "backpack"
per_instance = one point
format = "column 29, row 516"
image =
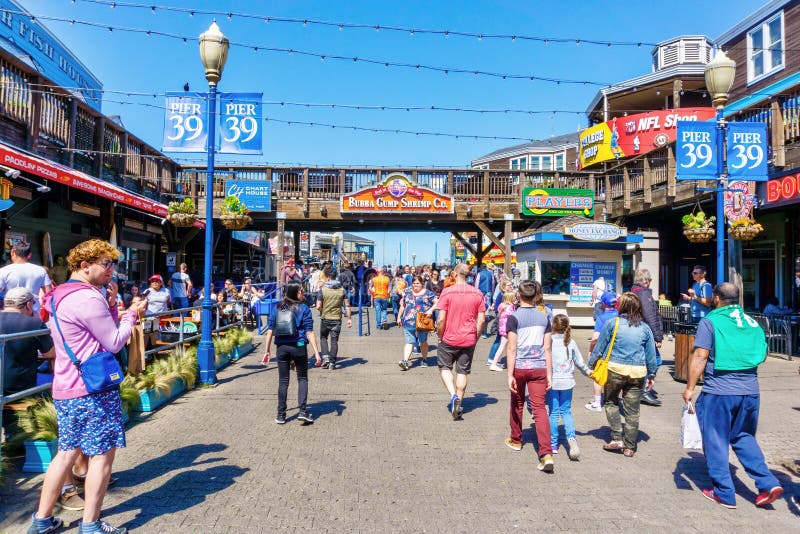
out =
column 285, row 323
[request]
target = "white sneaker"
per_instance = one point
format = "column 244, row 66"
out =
column 574, row 451
column 496, row 368
column 591, row 406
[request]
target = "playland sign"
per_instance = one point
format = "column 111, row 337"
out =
column 397, row 194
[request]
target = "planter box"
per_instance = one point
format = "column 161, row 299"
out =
column 38, row 455
column 225, row 362
column 242, row 350
column 151, row 399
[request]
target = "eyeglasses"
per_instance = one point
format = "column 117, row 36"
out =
column 107, row 263
column 697, row 272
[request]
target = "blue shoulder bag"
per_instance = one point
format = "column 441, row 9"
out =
column 100, row 371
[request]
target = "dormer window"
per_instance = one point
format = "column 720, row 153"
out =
column 765, row 51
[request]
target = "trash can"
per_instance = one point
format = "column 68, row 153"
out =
column 684, row 347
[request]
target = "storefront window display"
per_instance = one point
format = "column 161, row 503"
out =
column 555, row 277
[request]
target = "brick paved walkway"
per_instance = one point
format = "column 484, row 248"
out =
column 385, row 455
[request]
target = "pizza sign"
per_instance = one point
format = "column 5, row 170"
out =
column 397, row 194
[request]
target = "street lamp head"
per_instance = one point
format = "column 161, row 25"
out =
column 719, row 77
column 213, row 53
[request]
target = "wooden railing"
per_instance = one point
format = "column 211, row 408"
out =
column 41, row 118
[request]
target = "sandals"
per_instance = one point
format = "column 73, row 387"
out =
column 628, row 453
column 614, row 446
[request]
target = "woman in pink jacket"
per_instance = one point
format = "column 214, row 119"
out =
column 87, row 423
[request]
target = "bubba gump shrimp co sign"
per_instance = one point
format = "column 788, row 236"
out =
column 397, row 194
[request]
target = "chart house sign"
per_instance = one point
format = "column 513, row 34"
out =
column 595, row 231
column 397, row 194
column 538, row 202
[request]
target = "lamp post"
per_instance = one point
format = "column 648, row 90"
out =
column 413, row 259
column 719, row 75
column 334, row 252
column 453, row 242
column 213, row 53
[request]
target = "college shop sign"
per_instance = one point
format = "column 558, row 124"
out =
column 397, row 194
column 538, row 202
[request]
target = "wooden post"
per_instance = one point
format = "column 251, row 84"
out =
column 479, row 249
column 449, row 188
column 485, row 193
column 122, row 166
column 609, row 202
column 778, row 140
column 97, row 146
column 647, row 182
column 507, row 251
column 305, row 203
column 35, row 116
column 279, row 252
column 677, row 86
column 672, row 183
column 342, row 182
column 296, row 245
column 626, row 189
column 73, row 130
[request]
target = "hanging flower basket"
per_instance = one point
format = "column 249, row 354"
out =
column 235, row 222
column 183, row 220
column 699, row 235
column 744, row 229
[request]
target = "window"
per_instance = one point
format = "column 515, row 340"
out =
column 555, row 277
column 536, row 165
column 542, row 163
column 547, row 163
column 765, row 53
column 560, row 166
column 519, row 164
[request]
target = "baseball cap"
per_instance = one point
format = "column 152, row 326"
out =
column 609, row 299
column 290, row 261
column 156, row 277
column 17, row 297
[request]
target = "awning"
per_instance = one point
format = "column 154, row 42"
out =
column 50, row 170
column 762, row 94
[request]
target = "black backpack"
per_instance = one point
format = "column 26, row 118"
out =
column 285, row 323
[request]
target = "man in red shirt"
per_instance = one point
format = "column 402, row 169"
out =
column 462, row 314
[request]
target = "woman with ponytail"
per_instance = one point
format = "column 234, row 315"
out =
column 566, row 357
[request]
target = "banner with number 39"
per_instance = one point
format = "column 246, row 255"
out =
column 185, row 128
column 240, row 123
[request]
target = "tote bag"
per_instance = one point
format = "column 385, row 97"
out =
column 600, row 373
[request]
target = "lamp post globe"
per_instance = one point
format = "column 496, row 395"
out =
column 213, row 54
column 335, row 248
column 719, row 74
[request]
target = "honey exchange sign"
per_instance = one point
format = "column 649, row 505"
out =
column 397, row 194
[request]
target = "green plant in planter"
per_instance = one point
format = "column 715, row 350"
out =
column 692, row 221
column 222, row 345
column 129, row 395
column 233, row 206
column 37, row 421
column 186, row 206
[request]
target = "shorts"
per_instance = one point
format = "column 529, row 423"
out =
column 447, row 355
column 92, row 423
column 415, row 336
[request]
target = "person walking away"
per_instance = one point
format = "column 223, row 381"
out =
column 292, row 349
column 21, row 273
column 506, row 286
column 504, row 311
column 530, row 368
column 461, row 317
column 699, row 295
column 348, row 281
column 484, row 281
column 641, row 288
column 181, row 287
column 609, row 302
column 566, row 357
column 330, row 300
column 379, row 290
column 728, row 348
column 633, row 357
column 88, row 423
column 416, row 299
column 598, row 288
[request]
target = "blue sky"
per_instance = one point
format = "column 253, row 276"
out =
column 136, row 62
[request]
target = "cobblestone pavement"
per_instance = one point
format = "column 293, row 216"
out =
column 385, row 455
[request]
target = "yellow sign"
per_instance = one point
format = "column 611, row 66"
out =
column 595, row 145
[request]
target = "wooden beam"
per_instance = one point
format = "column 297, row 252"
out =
column 677, row 86
column 626, row 188
column 305, row 197
column 672, row 183
column 73, row 128
column 279, row 252
column 479, row 247
column 507, row 250
column 488, row 231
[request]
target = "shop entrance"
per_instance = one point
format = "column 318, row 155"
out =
column 761, row 278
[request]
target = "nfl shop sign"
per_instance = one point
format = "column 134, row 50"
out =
column 786, row 188
column 397, row 194
column 632, row 135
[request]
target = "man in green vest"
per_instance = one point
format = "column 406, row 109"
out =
column 329, row 303
column 728, row 349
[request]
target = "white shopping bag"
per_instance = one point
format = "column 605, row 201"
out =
column 690, row 429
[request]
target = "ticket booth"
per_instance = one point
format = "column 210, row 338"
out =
column 568, row 255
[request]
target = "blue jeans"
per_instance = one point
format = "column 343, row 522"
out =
column 395, row 305
column 559, row 402
column 180, row 302
column 380, row 311
column 731, row 421
column 494, row 347
column 658, row 365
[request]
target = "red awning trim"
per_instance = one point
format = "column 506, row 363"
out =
column 50, row 170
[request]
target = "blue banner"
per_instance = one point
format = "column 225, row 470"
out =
column 240, row 123
column 185, row 128
column 747, row 151
column 256, row 194
column 696, row 151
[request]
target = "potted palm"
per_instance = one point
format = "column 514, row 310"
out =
column 164, row 379
column 38, row 433
column 234, row 213
column 182, row 213
column 697, row 227
column 744, row 229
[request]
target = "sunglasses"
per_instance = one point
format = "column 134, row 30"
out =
column 697, row 272
column 107, row 263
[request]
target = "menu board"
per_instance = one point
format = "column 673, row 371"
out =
column 582, row 275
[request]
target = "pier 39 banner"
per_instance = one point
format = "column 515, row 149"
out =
column 632, row 135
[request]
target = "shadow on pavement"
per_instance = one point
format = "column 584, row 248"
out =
column 474, row 402
column 173, row 460
column 246, row 370
column 328, row 407
column 182, row 491
column 342, row 363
